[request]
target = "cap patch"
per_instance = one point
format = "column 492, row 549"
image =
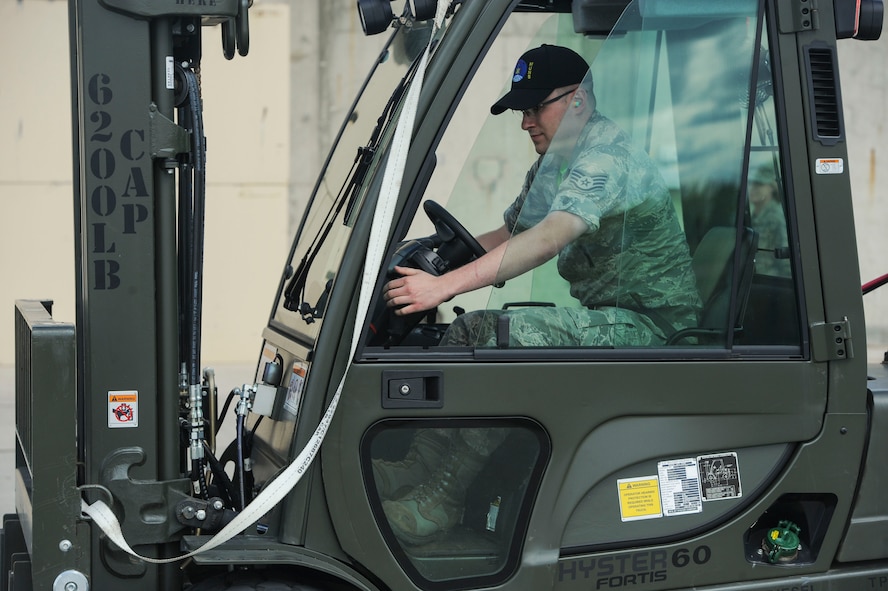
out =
column 520, row 71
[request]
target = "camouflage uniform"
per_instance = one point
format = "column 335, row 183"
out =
column 631, row 269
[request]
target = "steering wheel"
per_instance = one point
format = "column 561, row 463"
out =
column 450, row 247
column 457, row 245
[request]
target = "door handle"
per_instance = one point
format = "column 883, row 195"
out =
column 412, row 389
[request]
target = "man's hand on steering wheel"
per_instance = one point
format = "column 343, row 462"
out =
column 417, row 271
column 414, row 291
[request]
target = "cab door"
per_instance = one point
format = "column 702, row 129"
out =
column 526, row 464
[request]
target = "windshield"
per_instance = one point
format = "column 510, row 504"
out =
column 339, row 194
column 664, row 161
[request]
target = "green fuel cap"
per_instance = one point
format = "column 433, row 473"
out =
column 781, row 544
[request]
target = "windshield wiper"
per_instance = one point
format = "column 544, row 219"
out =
column 294, row 295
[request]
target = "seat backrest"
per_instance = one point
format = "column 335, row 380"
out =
column 712, row 260
column 714, row 267
column 713, row 264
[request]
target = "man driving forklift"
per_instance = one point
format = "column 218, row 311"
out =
column 600, row 205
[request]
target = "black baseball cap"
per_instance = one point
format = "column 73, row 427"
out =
column 538, row 72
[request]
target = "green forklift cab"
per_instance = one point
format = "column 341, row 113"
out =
column 738, row 448
column 663, row 465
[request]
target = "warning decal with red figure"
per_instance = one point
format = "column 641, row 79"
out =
column 123, row 408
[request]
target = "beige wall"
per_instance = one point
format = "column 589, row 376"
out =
column 247, row 123
column 864, row 77
column 270, row 118
column 36, row 227
column 247, row 118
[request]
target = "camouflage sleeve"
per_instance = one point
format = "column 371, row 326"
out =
column 596, row 186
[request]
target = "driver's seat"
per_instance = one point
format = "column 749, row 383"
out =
column 713, row 264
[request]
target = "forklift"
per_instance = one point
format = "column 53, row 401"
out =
column 380, row 444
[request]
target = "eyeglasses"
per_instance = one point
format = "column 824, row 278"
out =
column 534, row 111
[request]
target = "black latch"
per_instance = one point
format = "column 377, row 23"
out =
column 412, row 389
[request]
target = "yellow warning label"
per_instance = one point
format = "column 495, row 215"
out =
column 117, row 397
column 639, row 498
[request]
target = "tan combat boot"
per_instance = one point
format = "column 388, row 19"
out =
column 395, row 479
column 437, row 505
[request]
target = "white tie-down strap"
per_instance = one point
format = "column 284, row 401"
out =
column 277, row 489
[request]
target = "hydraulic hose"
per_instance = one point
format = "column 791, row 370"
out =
column 198, row 153
column 191, row 210
column 221, row 416
column 225, row 486
column 242, row 501
column 198, row 467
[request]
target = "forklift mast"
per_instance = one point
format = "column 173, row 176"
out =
column 138, row 168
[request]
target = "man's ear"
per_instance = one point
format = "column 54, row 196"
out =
column 580, row 98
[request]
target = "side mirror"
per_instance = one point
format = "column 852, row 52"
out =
column 376, row 15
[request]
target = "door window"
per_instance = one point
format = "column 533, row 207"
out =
column 453, row 497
